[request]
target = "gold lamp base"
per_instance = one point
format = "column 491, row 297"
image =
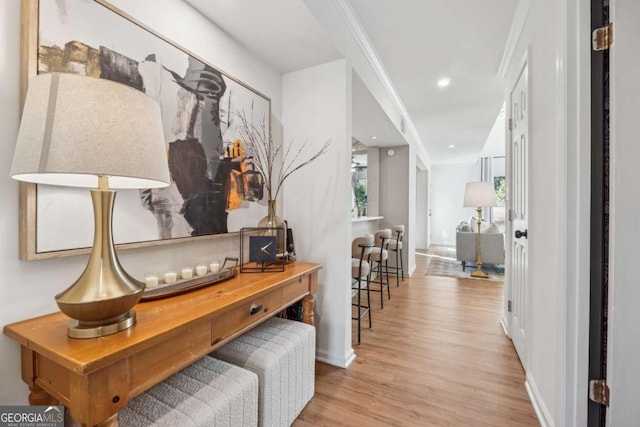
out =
column 479, row 273
column 100, row 301
column 78, row 329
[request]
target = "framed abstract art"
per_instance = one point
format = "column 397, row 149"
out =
column 214, row 188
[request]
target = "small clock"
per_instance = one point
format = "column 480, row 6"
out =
column 262, row 249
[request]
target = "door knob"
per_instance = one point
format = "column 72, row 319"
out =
column 520, row 234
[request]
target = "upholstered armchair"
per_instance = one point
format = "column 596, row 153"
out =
column 492, row 243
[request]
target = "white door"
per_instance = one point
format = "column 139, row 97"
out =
column 519, row 140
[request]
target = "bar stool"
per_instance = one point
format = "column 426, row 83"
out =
column 380, row 255
column 360, row 269
column 395, row 245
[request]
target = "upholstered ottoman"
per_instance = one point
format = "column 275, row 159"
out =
column 208, row 393
column 282, row 353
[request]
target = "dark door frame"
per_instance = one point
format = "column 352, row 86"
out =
column 599, row 245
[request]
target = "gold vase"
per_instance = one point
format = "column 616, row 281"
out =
column 274, row 221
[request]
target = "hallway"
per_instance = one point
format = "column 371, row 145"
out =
column 437, row 355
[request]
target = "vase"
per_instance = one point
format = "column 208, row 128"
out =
column 274, row 221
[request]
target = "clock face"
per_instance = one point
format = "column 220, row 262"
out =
column 262, row 249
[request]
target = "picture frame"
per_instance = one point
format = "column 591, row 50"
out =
column 56, row 221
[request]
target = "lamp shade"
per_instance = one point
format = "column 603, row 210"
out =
column 479, row 194
column 76, row 128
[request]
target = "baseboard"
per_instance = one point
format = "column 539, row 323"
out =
column 503, row 322
column 332, row 359
column 544, row 417
column 411, row 270
column 350, row 358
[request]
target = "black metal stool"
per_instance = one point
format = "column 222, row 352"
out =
column 360, row 269
column 395, row 245
column 380, row 255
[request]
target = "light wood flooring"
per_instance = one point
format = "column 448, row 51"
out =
column 436, row 356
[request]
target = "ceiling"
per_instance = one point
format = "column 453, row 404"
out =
column 418, row 42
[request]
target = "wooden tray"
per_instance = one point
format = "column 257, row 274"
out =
column 187, row 285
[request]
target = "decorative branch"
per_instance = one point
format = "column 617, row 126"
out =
column 260, row 147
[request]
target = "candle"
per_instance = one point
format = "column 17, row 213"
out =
column 201, row 270
column 151, row 281
column 170, row 277
column 186, row 272
column 214, row 267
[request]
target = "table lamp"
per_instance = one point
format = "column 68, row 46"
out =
column 479, row 195
column 94, row 133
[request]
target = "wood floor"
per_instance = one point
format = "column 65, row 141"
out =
column 436, row 356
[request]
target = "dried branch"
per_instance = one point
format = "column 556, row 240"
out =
column 290, row 170
column 259, row 145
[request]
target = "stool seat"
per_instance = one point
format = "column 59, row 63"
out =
column 394, row 245
column 378, row 255
column 357, row 271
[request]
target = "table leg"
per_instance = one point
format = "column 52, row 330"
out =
column 40, row 397
column 112, row 421
column 307, row 310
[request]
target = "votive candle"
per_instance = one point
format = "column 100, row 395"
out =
column 186, row 272
column 151, row 281
column 214, row 267
column 170, row 277
column 201, row 270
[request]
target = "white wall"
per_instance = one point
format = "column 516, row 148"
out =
column 422, row 208
column 495, row 143
column 317, row 201
column 28, row 288
column 624, row 290
column 447, row 195
column 573, row 340
column 373, row 181
column 410, row 237
column 397, row 197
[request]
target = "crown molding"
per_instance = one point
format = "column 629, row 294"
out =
column 517, row 26
column 349, row 17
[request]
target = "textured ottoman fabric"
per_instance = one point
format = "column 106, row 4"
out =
column 208, row 393
column 267, row 366
column 282, row 354
column 304, row 336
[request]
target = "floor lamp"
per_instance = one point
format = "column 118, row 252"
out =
column 88, row 132
column 479, row 195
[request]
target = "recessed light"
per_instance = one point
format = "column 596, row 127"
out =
column 452, row 146
column 374, row 137
column 444, row 82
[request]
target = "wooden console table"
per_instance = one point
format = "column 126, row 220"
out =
column 95, row 378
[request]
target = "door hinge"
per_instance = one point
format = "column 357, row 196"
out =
column 511, row 215
column 602, row 38
column 509, row 306
column 599, row 392
column 510, row 124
